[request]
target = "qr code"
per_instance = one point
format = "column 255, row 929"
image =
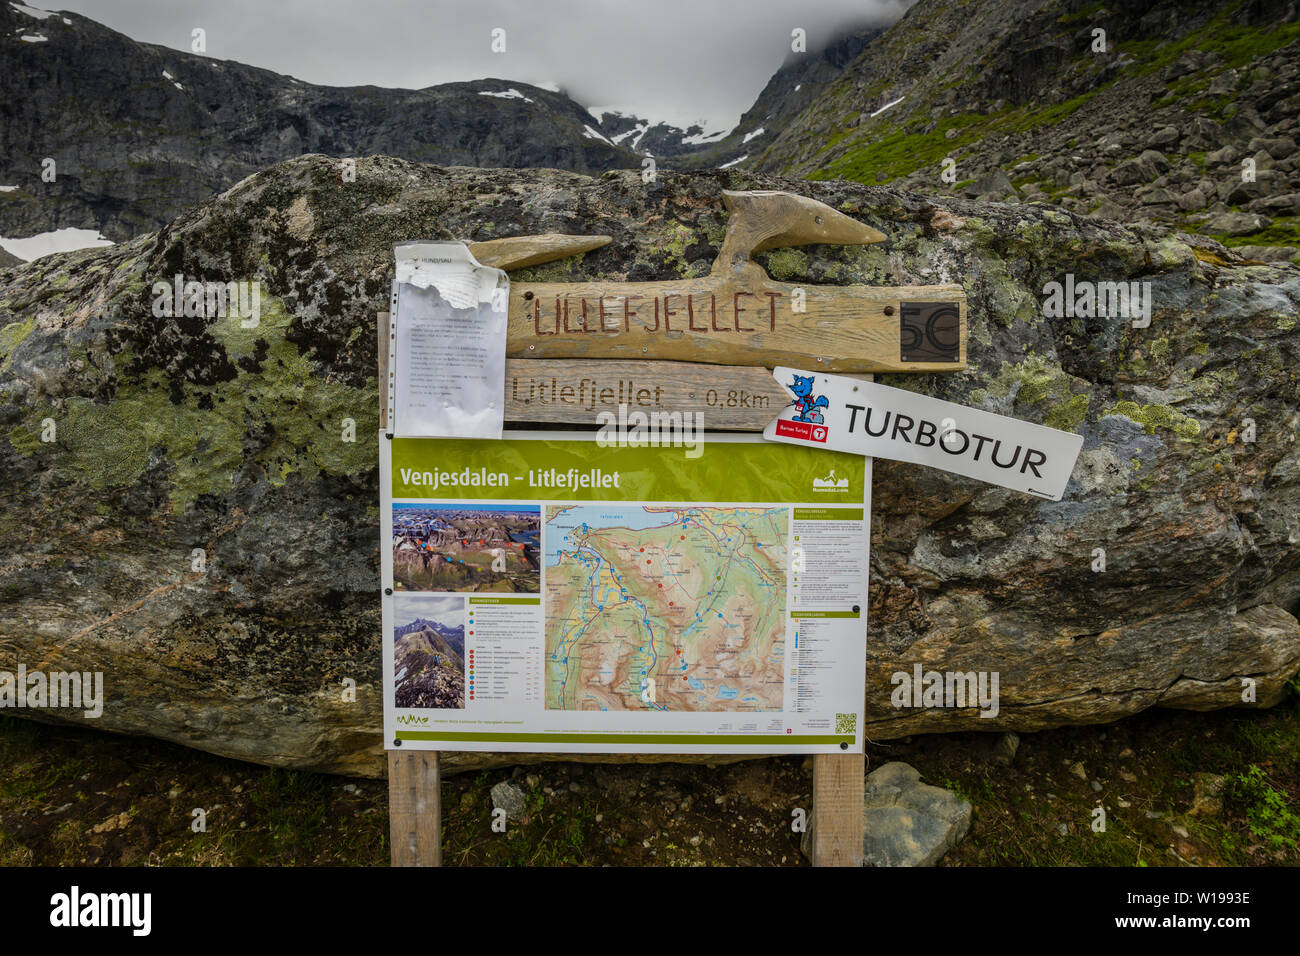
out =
column 846, row 723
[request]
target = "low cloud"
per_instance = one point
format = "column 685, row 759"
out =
column 678, row 60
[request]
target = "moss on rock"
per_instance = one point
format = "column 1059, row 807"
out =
column 1151, row 417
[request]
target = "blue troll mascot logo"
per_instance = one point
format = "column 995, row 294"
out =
column 805, row 404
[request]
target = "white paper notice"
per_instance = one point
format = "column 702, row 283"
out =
column 450, row 347
column 847, row 414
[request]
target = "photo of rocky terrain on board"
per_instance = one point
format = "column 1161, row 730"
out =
column 429, row 653
column 444, row 547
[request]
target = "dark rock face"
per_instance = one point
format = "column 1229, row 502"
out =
column 177, row 434
column 140, row 132
column 800, row 81
column 1153, row 126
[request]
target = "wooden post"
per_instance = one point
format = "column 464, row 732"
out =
column 414, row 783
column 415, row 808
column 837, row 833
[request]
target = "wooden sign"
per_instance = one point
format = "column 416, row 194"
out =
column 577, row 349
column 738, row 315
column 574, row 391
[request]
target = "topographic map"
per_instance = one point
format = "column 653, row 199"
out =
column 665, row 608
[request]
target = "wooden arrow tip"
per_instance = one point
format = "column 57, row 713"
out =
column 770, row 219
column 518, row 252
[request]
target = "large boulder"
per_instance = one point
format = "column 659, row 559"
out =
column 185, row 438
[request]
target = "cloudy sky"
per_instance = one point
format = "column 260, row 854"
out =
column 677, row 60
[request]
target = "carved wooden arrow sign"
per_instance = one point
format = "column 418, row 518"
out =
column 737, row 314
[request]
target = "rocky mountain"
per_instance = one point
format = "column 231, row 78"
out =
column 794, row 86
column 138, row 132
column 427, row 672
column 176, row 433
column 792, row 90
column 453, row 636
column 1125, row 109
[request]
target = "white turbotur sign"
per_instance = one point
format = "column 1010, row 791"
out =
column 850, row 415
column 447, row 343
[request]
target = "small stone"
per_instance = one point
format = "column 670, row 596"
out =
column 696, row 840
column 1126, row 753
column 509, row 797
column 1238, row 223
column 1096, row 786
column 1062, row 829
column 112, row 823
column 1207, row 795
column 1165, row 136
column 1004, row 751
column 1181, row 831
column 1128, row 776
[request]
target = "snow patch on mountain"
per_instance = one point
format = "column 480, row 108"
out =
column 47, row 243
column 510, row 94
column 33, row 12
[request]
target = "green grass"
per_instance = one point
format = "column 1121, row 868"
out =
column 901, row 152
column 1270, row 814
column 898, row 152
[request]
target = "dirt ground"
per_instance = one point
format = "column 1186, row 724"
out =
column 71, row 796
